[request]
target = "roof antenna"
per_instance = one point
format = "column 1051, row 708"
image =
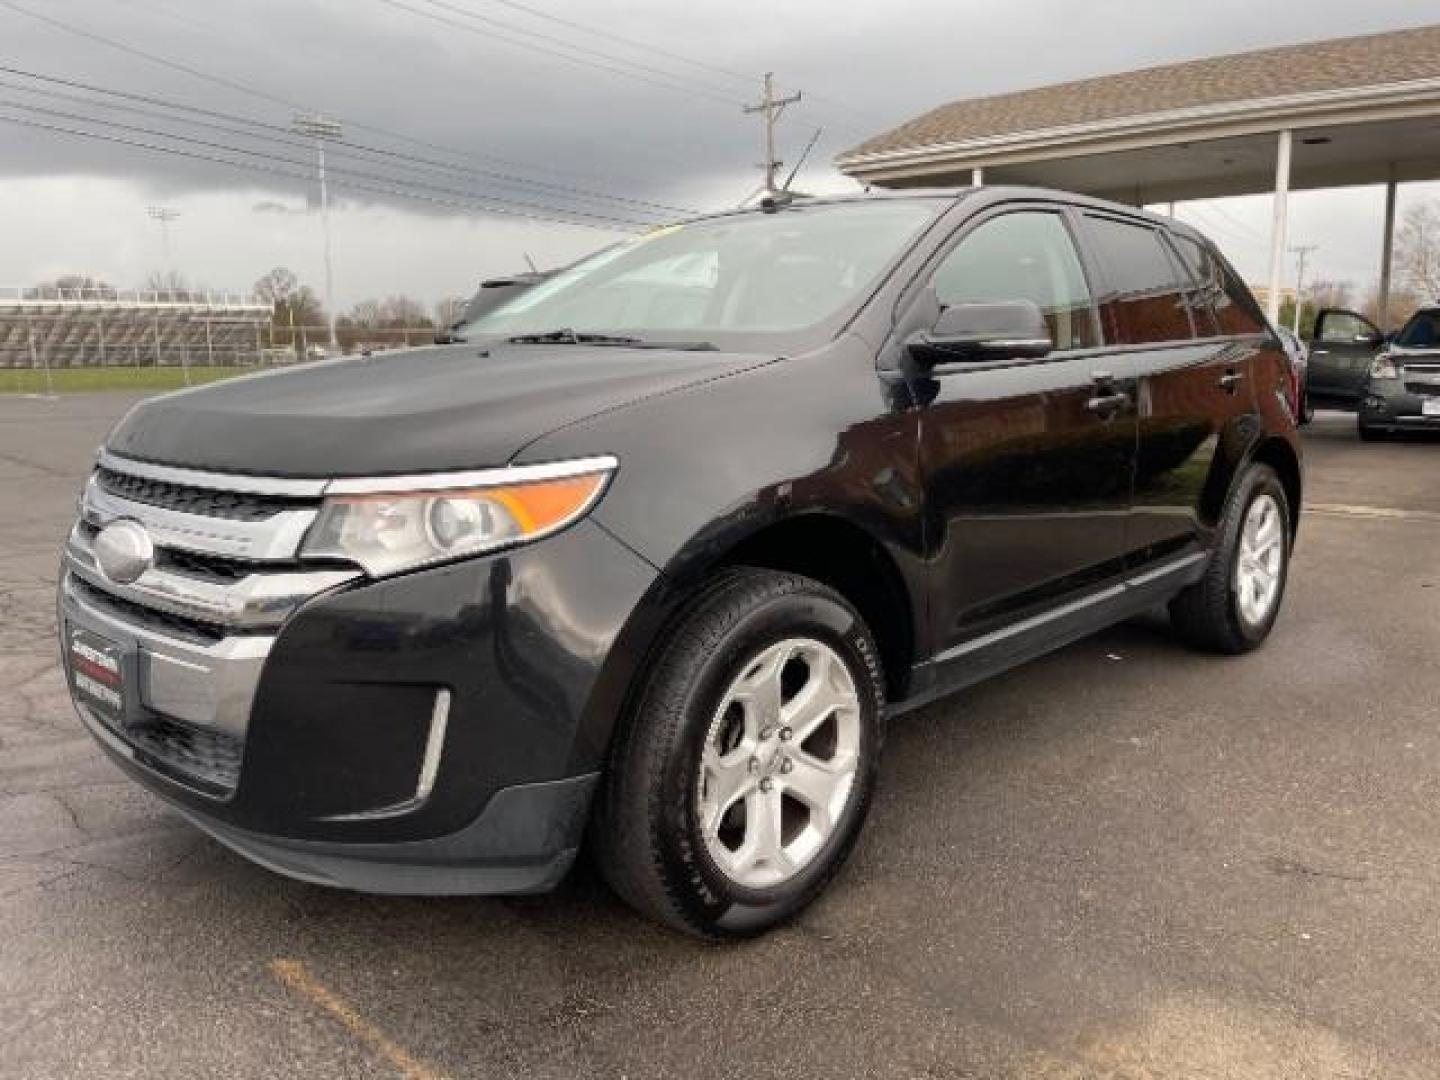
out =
column 803, row 155
column 530, row 263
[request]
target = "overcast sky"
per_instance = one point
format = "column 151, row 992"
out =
column 641, row 124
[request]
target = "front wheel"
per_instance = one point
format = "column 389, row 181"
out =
column 743, row 774
column 1232, row 608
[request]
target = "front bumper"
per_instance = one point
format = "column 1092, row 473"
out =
column 319, row 747
column 1389, row 405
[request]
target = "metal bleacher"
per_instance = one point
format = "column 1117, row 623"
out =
column 58, row 327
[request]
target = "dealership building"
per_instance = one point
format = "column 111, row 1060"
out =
column 1350, row 111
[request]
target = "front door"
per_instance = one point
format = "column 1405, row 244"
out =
column 1026, row 463
column 1344, row 347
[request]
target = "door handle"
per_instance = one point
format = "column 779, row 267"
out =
column 1107, row 405
column 1230, row 380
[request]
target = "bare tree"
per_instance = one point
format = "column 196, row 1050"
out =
column 367, row 314
column 277, row 286
column 90, row 287
column 172, row 283
column 404, row 312
column 298, row 312
column 1332, row 294
column 1417, row 250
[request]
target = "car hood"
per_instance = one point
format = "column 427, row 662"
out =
column 422, row 410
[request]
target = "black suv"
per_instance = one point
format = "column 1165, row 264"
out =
column 651, row 556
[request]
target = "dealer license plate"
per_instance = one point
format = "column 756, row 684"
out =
column 97, row 673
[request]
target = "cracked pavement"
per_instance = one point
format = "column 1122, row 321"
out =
column 1122, row 861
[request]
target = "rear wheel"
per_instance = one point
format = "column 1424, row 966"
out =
column 1368, row 433
column 1232, row 608
column 743, row 775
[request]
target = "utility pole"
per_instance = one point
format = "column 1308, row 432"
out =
column 1302, row 254
column 164, row 215
column 322, row 128
column 771, row 107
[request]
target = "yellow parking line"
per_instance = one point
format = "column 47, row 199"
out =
column 1383, row 512
column 293, row 974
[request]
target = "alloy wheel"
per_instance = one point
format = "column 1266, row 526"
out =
column 1260, row 560
column 777, row 768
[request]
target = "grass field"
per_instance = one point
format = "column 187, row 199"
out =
column 91, row 380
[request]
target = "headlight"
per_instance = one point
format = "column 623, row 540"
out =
column 1384, row 367
column 422, row 520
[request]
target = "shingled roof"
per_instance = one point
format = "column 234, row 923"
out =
column 1339, row 64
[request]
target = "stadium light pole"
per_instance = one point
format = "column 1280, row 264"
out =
column 322, row 128
column 164, row 215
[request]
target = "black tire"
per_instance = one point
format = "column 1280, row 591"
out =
column 645, row 834
column 1368, row 433
column 1207, row 614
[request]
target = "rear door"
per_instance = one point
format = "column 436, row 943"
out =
column 1193, row 373
column 1026, row 463
column 1343, row 349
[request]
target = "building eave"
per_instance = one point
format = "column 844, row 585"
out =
column 1193, row 123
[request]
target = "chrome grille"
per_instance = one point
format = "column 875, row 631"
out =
column 202, row 617
column 241, row 506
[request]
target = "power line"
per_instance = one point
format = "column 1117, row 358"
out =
column 231, row 84
column 283, row 136
column 669, row 53
column 349, row 178
column 463, row 204
column 643, row 72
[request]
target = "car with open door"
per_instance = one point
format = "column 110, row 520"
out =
column 1343, row 347
column 651, row 553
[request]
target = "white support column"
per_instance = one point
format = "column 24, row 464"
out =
column 977, row 177
column 1387, row 252
column 1278, row 226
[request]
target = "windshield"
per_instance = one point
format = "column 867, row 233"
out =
column 1421, row 332
column 762, row 273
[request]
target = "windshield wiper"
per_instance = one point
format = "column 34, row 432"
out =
column 566, row 336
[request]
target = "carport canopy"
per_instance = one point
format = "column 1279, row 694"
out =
column 1350, row 111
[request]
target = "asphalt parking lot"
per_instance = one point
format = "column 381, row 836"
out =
column 1124, row 861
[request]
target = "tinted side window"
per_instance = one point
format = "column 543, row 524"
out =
column 1027, row 255
column 1200, row 284
column 1235, row 309
column 1422, row 331
column 1143, row 300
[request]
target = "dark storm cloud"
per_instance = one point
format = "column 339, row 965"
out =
column 527, row 114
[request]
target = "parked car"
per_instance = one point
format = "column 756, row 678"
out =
column 655, row 552
column 490, row 295
column 1402, row 389
column 1299, row 355
column 1344, row 346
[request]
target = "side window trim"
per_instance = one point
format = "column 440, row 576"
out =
column 912, row 291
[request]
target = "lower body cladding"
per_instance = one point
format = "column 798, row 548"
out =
column 440, row 732
column 1385, row 409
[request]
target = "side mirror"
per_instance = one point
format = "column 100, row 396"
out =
column 989, row 330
